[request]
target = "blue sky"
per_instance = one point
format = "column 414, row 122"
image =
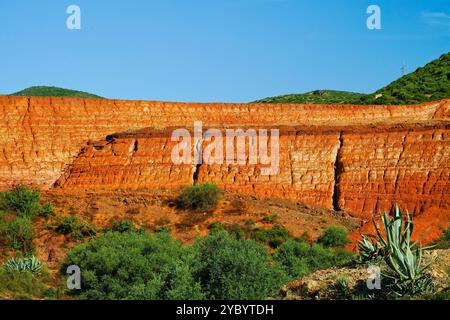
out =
column 216, row 50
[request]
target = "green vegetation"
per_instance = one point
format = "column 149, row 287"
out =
column 236, row 269
column 135, row 266
column 75, row 227
column 431, row 82
column 44, row 91
column 123, row 226
column 21, row 205
column 19, row 285
column 273, row 237
column 222, row 265
column 199, row 197
column 428, row 83
column 20, row 234
column 299, row 258
column 25, row 202
column 334, row 237
column 317, row 96
column 31, row 264
column 232, row 262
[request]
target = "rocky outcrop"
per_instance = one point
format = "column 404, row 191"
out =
column 362, row 159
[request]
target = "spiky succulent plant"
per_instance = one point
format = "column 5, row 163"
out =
column 402, row 256
column 31, row 264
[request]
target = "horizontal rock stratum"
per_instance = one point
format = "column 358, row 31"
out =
column 362, row 159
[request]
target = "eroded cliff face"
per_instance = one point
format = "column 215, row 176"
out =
column 362, row 159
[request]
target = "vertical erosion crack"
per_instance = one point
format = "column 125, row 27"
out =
column 338, row 169
column 196, row 172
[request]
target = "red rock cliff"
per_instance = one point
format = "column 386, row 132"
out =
column 362, row 159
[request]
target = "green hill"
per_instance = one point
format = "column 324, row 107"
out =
column 318, row 96
column 428, row 83
column 43, row 91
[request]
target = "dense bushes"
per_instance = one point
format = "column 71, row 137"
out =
column 134, row 265
column 199, row 197
column 222, row 265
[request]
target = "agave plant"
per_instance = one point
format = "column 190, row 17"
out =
column 31, row 264
column 403, row 257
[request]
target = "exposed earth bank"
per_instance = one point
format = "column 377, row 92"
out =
column 358, row 159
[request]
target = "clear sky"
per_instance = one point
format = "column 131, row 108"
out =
column 216, row 50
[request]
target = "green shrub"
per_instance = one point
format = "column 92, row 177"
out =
column 299, row 258
column 273, row 237
column 20, row 234
column 75, row 227
column 216, row 226
column 31, row 264
column 229, row 268
column 292, row 255
column 139, row 266
column 234, row 230
column 199, row 197
column 134, row 266
column 22, row 200
column 237, row 231
column 123, row 226
column 46, row 210
column 25, row 202
column 333, row 237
